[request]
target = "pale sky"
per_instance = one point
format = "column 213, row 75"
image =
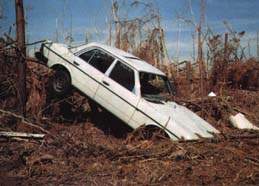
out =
column 91, row 16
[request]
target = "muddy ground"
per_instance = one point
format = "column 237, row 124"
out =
column 82, row 150
column 82, row 154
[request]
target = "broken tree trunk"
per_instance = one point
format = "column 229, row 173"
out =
column 200, row 62
column 21, row 52
column 189, row 77
column 115, row 8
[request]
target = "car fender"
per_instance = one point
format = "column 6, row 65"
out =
column 59, row 61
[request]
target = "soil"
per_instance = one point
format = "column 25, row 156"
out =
column 86, row 149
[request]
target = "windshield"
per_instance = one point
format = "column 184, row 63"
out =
column 153, row 86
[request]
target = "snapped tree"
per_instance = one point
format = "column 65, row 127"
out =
column 21, row 56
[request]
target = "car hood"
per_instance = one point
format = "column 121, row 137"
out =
column 183, row 123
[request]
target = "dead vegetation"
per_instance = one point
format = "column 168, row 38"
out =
column 141, row 35
column 78, row 150
column 82, row 154
column 81, row 149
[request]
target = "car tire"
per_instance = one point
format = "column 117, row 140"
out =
column 60, row 83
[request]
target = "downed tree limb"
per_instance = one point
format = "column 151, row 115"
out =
column 252, row 160
column 21, row 135
column 24, row 120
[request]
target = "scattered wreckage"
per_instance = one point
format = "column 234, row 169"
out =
column 128, row 87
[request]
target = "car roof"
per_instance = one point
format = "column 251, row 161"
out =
column 135, row 62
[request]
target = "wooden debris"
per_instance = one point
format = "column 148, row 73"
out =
column 21, row 135
column 24, row 120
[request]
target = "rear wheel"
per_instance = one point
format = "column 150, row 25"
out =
column 60, row 82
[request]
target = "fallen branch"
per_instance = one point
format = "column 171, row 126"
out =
column 21, row 135
column 252, row 160
column 24, row 120
column 251, row 136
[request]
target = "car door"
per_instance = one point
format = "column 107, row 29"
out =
column 90, row 68
column 118, row 91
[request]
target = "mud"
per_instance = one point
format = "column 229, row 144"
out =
column 82, row 149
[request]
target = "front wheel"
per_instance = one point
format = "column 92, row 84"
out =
column 60, row 83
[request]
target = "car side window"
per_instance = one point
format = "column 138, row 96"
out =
column 98, row 59
column 87, row 55
column 123, row 75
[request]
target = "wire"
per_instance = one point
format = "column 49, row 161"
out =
column 36, row 42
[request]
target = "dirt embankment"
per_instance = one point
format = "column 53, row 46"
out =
column 81, row 151
column 82, row 154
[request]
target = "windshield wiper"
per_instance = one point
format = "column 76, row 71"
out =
column 154, row 98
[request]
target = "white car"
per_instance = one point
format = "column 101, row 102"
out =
column 128, row 87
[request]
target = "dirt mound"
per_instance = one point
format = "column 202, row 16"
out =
column 80, row 150
column 82, row 154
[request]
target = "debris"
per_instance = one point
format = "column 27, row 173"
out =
column 240, row 121
column 211, row 94
column 244, row 75
column 43, row 158
column 24, row 120
column 81, row 154
column 21, row 135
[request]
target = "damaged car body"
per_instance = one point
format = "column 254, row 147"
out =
column 128, row 87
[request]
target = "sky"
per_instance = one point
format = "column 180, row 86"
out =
column 90, row 16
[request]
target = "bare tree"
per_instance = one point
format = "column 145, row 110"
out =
column 142, row 35
column 117, row 22
column 21, row 54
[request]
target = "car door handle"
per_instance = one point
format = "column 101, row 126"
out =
column 106, row 83
column 75, row 63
